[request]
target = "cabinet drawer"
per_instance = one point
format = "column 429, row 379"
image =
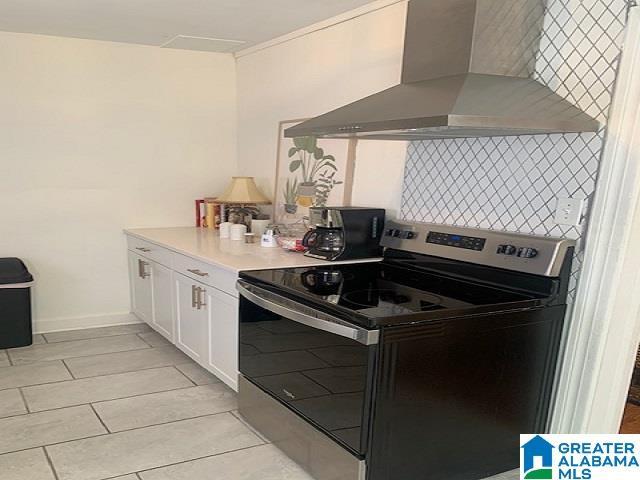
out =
column 149, row 250
column 217, row 277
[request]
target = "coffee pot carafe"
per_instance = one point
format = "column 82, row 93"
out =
column 324, row 239
column 343, row 233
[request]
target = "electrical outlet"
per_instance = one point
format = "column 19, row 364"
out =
column 569, row 211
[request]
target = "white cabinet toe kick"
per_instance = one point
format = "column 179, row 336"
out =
column 192, row 304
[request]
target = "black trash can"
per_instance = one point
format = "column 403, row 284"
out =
column 15, row 304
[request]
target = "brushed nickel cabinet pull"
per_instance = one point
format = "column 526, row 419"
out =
column 201, row 302
column 142, row 269
column 142, row 249
column 194, row 302
column 195, row 271
column 199, row 298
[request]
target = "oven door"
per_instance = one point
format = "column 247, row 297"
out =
column 320, row 366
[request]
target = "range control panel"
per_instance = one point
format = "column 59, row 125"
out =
column 458, row 241
column 511, row 251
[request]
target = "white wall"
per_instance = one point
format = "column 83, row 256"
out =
column 96, row 137
column 317, row 72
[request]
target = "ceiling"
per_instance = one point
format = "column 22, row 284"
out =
column 211, row 25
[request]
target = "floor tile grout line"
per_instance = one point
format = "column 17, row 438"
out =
column 50, row 462
column 95, row 355
column 49, row 410
column 138, row 335
column 236, row 414
column 96, row 402
column 176, row 421
column 68, row 370
column 79, row 356
column 90, row 355
column 49, row 342
column 107, row 374
column 198, row 458
column 24, row 400
column 45, row 383
column 105, row 434
column 108, row 399
column 95, row 376
column 100, row 418
column 127, row 371
column 54, row 443
column 185, row 375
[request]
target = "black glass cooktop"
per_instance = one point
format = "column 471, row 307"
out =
column 381, row 290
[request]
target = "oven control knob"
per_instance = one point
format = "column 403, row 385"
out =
column 409, row 235
column 506, row 250
column 527, row 252
column 390, row 232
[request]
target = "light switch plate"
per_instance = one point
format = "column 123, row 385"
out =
column 569, row 211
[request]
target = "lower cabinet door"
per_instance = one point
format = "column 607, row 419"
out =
column 223, row 336
column 191, row 318
column 162, row 281
column 140, row 275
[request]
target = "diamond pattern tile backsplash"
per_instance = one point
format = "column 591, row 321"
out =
column 513, row 183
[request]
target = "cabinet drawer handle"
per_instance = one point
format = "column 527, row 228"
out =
column 201, row 303
column 142, row 269
column 194, row 302
column 142, row 249
column 195, row 271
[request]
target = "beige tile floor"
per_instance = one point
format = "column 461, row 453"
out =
column 121, row 403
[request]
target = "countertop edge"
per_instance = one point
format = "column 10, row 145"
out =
column 208, row 260
column 211, row 261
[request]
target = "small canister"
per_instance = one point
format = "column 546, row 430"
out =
column 225, row 230
column 237, row 231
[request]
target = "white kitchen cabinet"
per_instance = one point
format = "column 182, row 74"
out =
column 163, row 315
column 141, row 274
column 191, row 317
column 194, row 304
column 222, row 312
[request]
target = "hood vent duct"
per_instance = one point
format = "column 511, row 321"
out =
column 467, row 72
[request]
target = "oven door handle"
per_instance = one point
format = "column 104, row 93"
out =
column 305, row 315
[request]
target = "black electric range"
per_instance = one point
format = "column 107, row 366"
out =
column 387, row 370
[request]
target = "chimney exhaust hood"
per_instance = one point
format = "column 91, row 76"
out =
column 467, row 72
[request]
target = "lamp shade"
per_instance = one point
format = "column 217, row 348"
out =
column 243, row 190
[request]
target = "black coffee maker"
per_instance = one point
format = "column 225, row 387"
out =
column 344, row 233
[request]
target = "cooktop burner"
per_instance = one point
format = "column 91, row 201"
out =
column 392, row 301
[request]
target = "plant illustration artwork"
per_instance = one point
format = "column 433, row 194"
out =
column 310, row 173
column 316, row 169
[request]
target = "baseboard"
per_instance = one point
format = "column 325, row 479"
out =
column 48, row 325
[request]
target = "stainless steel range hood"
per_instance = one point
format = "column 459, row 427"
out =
column 466, row 73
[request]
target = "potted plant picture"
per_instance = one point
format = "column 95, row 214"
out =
column 317, row 170
column 310, row 172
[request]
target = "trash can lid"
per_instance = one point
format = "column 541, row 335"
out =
column 12, row 270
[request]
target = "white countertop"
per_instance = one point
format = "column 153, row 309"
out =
column 206, row 245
